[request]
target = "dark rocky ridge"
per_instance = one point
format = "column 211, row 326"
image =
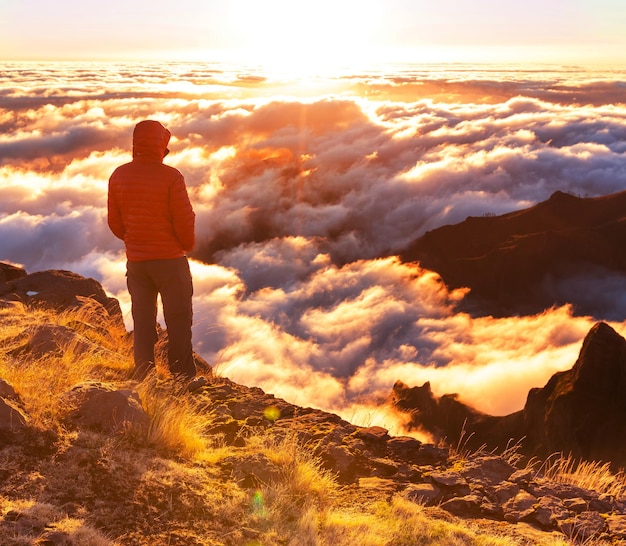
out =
column 581, row 411
column 516, row 263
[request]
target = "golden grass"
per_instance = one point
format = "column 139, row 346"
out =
column 171, row 484
column 586, row 474
column 42, row 515
column 595, row 476
column 175, row 425
column 41, row 382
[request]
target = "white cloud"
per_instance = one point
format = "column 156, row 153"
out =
column 297, row 199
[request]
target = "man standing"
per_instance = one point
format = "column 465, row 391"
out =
column 149, row 209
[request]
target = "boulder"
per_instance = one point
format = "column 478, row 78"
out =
column 424, row 493
column 9, row 272
column 61, row 290
column 49, row 339
column 102, row 407
column 520, row 507
column 549, row 510
column 254, row 470
column 12, row 416
column 468, row 506
column 405, row 447
column 487, row 470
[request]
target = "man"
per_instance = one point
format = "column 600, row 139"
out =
column 149, row 209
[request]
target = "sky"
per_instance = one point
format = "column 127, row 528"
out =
column 285, row 34
column 311, row 162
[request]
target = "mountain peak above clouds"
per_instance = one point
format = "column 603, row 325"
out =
column 565, row 250
column 581, row 411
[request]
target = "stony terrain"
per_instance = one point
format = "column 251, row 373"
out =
column 485, row 490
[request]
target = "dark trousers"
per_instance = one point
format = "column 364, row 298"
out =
column 171, row 279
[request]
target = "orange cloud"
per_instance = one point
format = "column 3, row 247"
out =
column 302, row 202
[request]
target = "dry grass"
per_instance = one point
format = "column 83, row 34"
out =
column 558, row 467
column 586, row 474
column 40, row 382
column 175, row 426
column 172, row 484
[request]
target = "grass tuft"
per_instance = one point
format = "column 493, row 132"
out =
column 591, row 475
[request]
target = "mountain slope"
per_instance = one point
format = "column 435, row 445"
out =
column 529, row 260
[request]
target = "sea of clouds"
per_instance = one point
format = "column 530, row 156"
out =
column 304, row 193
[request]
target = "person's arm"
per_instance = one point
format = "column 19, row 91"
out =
column 183, row 216
column 114, row 215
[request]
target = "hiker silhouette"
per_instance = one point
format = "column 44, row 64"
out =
column 149, row 209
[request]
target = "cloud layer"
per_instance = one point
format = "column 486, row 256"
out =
column 303, row 196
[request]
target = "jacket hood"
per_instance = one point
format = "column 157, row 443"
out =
column 150, row 140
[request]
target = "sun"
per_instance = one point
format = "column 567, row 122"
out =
column 300, row 37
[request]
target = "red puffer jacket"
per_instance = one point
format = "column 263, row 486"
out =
column 148, row 204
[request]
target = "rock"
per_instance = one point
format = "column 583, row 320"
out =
column 228, row 428
column 254, row 470
column 468, row 506
column 450, row 480
column 7, row 390
column 584, row 526
column 383, row 467
column 487, row 470
column 549, row 510
column 424, row 493
column 374, row 437
column 491, row 509
column 102, row 407
column 522, row 477
column 405, row 447
column 9, row 272
column 430, row 454
column 339, row 459
column 61, row 290
column 576, row 505
column 48, row 339
column 543, row 488
column 12, row 418
column 519, row 508
column 504, row 492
